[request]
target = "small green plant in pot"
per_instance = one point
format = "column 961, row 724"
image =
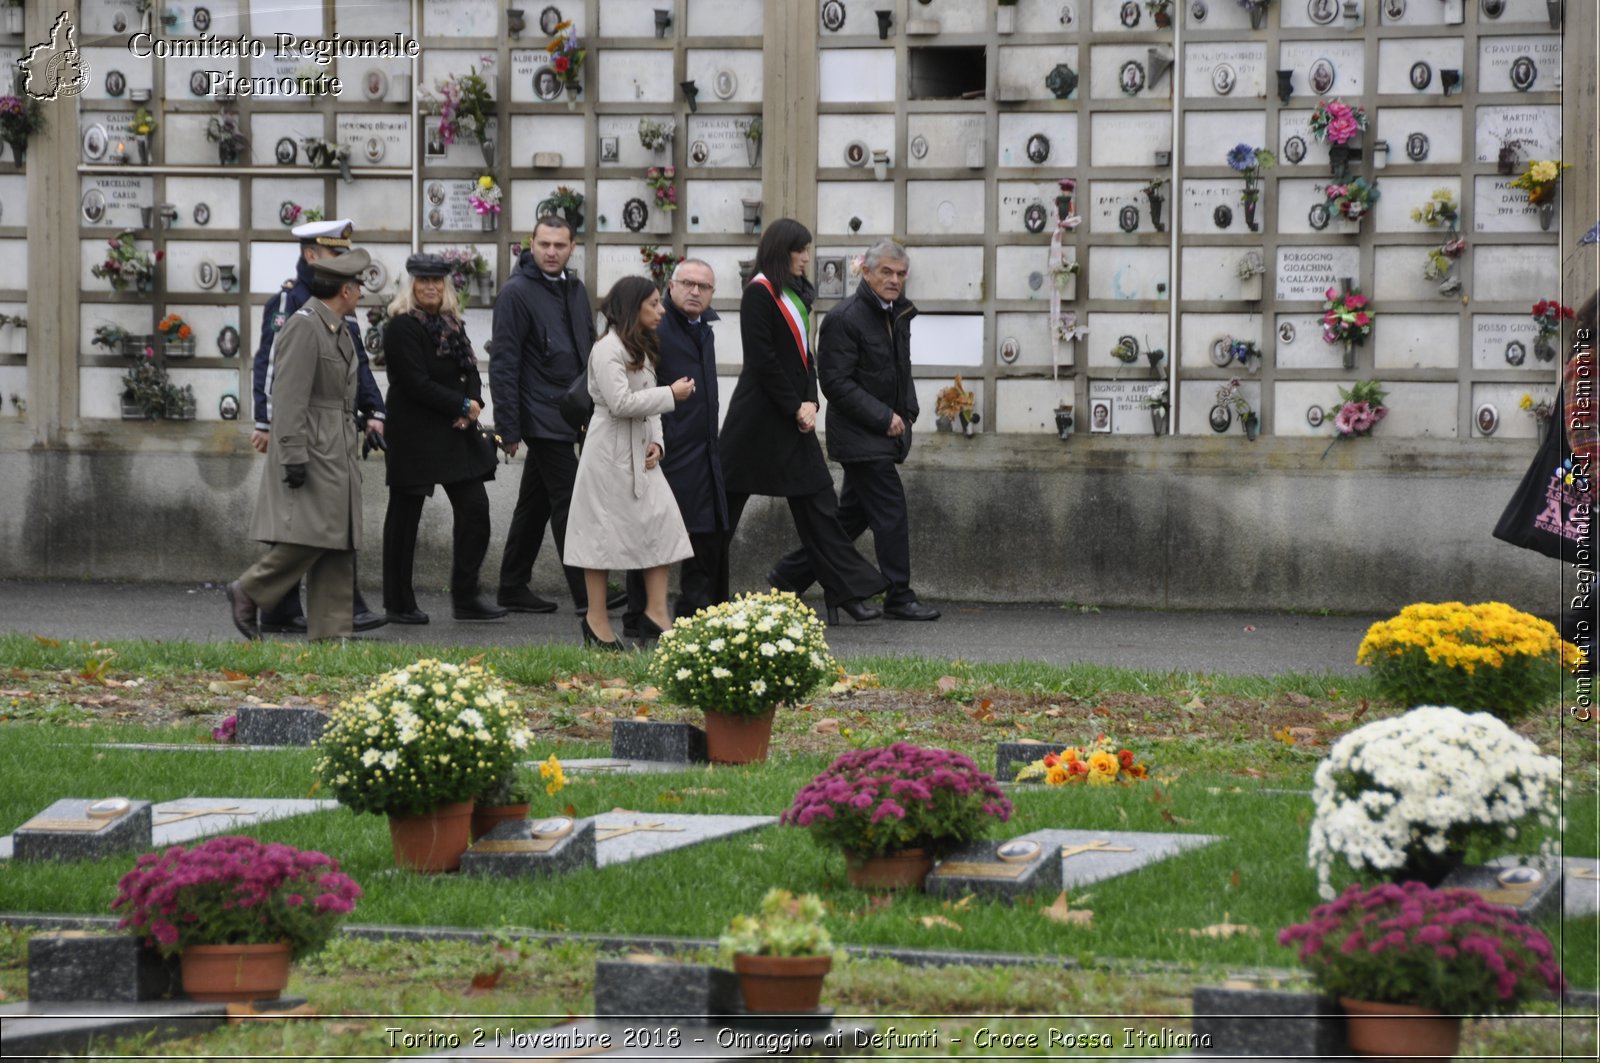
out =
column 737, row 662
column 238, row 908
column 1407, row 961
column 781, row 954
column 893, row 809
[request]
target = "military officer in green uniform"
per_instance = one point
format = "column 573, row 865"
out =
column 309, row 506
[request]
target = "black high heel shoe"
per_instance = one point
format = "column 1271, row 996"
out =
column 591, row 639
column 649, row 630
column 860, row 611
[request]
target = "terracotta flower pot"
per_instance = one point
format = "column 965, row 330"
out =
column 236, row 972
column 894, row 871
column 1399, row 1030
column 737, row 738
column 781, row 983
column 433, row 841
column 486, row 818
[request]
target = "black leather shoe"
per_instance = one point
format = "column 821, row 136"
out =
column 406, row 616
column 778, row 584
column 911, row 611
column 522, row 600
column 367, row 620
column 631, row 631
column 295, row 625
column 244, row 611
column 860, row 611
column 478, row 607
column 591, row 639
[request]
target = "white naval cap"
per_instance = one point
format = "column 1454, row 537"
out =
column 334, row 233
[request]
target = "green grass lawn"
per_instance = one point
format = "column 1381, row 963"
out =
column 1228, row 755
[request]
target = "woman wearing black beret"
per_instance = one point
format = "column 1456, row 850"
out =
column 435, row 396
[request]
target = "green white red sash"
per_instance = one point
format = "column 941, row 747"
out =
column 795, row 315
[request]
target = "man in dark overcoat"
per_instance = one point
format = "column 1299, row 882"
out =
column 318, row 240
column 864, row 369
column 309, row 506
column 691, row 460
column 543, row 329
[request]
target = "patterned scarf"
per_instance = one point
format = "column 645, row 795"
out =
column 449, row 338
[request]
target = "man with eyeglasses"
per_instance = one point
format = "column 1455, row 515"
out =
column 690, row 460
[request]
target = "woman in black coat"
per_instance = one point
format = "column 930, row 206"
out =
column 435, row 396
column 769, row 442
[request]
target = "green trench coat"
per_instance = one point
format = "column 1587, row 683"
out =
column 313, row 394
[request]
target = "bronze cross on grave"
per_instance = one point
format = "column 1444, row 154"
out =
column 178, row 815
column 1585, row 873
column 1099, row 845
column 603, row 833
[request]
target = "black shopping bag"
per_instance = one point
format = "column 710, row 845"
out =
column 1540, row 515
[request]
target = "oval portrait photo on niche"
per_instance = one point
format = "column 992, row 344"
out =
column 1421, row 76
column 1322, row 75
column 546, row 85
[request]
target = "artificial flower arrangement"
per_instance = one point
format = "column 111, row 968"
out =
column 126, row 265
column 235, row 890
column 485, row 198
column 956, row 405
column 1542, row 410
column 223, row 130
column 144, row 123
column 1250, row 266
column 463, row 105
column 110, row 337
column 565, row 197
column 421, row 737
column 1539, row 179
column 1099, row 763
column 1360, row 411
column 566, row 57
column 1337, row 122
column 753, row 129
column 19, row 119
column 1157, row 397
column 1231, row 398
column 466, row 264
column 1346, row 317
column 325, row 154
column 872, row 802
column 655, row 135
column 745, row 656
column 1125, row 352
column 1245, row 352
column 1440, row 209
column 145, row 385
column 1352, row 200
column 1251, row 163
column 1485, row 657
column 660, row 264
column 1442, row 259
column 174, row 329
column 1445, row 950
column 785, row 925
column 660, row 179
column 1408, row 796
column 1160, row 12
column 1548, row 314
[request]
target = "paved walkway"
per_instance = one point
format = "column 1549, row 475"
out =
column 1240, row 643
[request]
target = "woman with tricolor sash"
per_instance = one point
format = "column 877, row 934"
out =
column 769, row 443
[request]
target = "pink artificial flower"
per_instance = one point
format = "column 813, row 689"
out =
column 1355, row 301
column 1345, row 421
column 1363, row 319
column 1331, row 294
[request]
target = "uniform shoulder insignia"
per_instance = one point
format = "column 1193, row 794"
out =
column 304, row 311
column 288, row 284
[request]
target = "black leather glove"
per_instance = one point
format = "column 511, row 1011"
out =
column 371, row 441
column 295, row 475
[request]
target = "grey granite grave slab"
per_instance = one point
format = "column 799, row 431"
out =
column 613, row 766
column 1011, row 757
column 1092, row 855
column 511, row 851
column 655, row 740
column 1263, row 1022
column 1531, row 902
column 609, row 1039
column 39, row 1030
column 668, row 992
column 188, row 818
column 277, row 725
column 64, row 831
column 975, row 869
column 82, row 966
column 624, row 836
column 1580, row 886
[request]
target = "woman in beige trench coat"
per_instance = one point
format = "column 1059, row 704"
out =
column 624, row 514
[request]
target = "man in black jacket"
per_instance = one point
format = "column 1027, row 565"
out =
column 543, row 329
column 690, row 458
column 864, row 368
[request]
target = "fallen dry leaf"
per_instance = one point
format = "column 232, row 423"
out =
column 825, row 726
column 1361, row 711
column 484, row 981
column 220, row 686
column 648, row 694
column 1254, row 773
column 962, row 904
column 1177, row 821
column 244, row 1012
column 982, row 712
column 1060, row 912
column 1054, row 713
column 1100, row 710
column 1308, row 735
column 946, row 683
column 613, row 683
column 616, row 693
column 939, row 920
column 228, row 673
column 49, row 644
column 1234, row 880
column 1195, row 704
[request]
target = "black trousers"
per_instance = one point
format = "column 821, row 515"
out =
column 545, row 495
column 702, row 579
column 288, row 607
column 873, row 497
column 844, row 574
column 469, row 504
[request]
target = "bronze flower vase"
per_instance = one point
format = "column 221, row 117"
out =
column 1251, row 198
column 1258, row 15
column 1547, row 214
column 1349, row 359
column 1158, row 420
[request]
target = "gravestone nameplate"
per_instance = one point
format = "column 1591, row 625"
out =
column 511, row 850
column 1580, row 888
column 981, row 869
column 66, row 831
column 1532, row 892
column 1306, row 273
column 1011, row 757
column 1090, row 856
column 278, row 725
column 624, row 836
